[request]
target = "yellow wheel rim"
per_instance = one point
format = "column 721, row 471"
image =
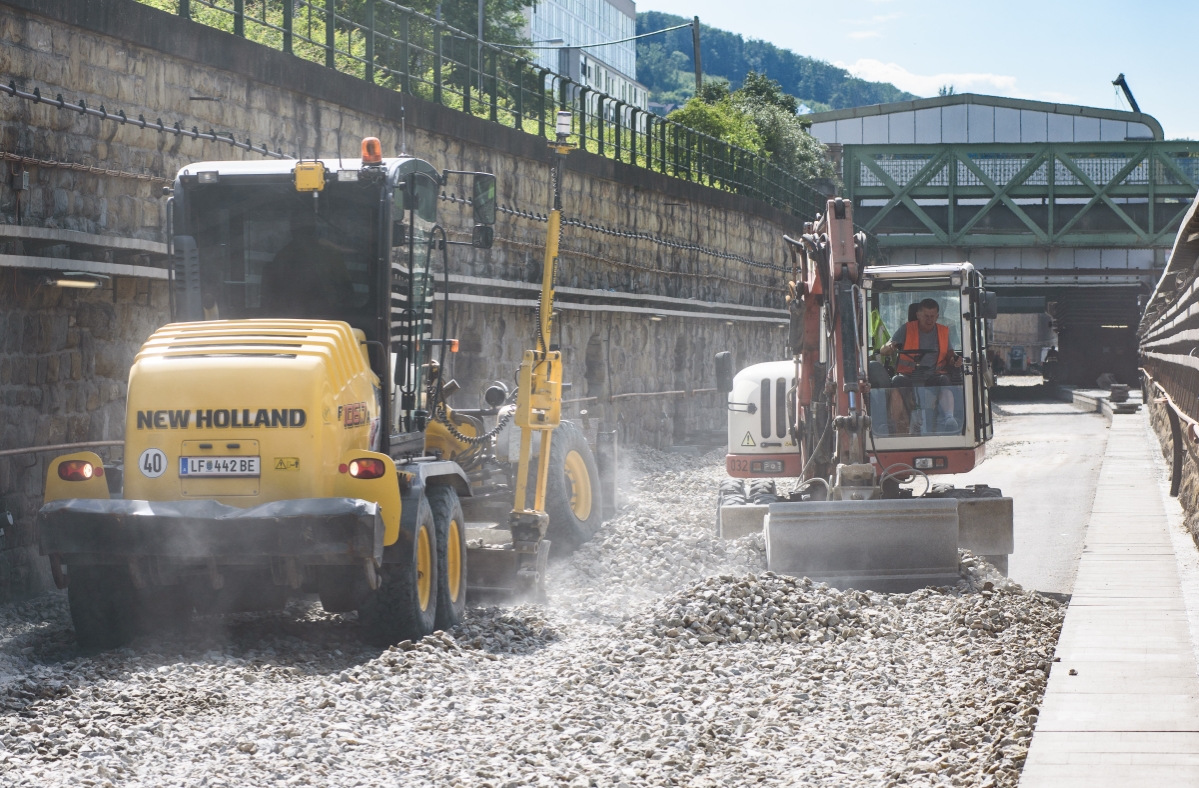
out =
column 454, row 562
column 424, row 568
column 580, row 485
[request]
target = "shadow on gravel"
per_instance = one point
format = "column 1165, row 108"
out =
column 302, row 636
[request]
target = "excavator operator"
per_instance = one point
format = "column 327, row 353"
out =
column 925, row 359
column 307, row 277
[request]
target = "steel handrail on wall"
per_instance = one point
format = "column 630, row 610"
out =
column 397, row 47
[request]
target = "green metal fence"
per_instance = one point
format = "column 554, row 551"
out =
column 402, row 49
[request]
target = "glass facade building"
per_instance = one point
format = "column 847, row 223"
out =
column 610, row 69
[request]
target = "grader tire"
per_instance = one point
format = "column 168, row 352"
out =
column 572, row 493
column 404, row 606
column 104, row 606
column 163, row 609
column 451, row 556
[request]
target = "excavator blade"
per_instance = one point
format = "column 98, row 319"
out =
column 878, row 545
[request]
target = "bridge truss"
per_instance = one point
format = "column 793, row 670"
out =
column 1128, row 194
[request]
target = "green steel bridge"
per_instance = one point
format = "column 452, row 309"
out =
column 1128, row 194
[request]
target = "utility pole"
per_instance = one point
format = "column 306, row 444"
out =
column 699, row 69
column 481, row 2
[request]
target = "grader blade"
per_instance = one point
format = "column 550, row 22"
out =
column 493, row 567
column 878, row 545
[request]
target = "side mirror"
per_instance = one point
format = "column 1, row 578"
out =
column 988, row 304
column 724, row 372
column 482, row 236
column 483, row 200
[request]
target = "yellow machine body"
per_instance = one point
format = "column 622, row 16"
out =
column 59, row 489
column 439, row 441
column 298, row 395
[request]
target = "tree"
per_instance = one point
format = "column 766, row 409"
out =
column 719, row 119
column 760, row 117
column 503, row 20
column 784, row 136
column 762, row 89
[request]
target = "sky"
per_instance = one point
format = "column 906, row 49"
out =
column 1066, row 51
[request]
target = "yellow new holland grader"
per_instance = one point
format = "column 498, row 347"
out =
column 290, row 432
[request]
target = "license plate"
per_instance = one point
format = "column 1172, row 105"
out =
column 220, row 466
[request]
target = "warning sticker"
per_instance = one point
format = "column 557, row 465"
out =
column 287, row 463
column 748, row 440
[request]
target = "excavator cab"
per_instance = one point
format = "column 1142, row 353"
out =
column 929, row 408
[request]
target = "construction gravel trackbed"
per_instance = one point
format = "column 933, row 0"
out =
column 666, row 657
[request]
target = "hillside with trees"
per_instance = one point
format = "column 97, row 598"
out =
column 665, row 66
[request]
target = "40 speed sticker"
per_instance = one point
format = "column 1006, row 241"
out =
column 152, row 463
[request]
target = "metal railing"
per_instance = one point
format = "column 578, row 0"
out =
column 400, row 48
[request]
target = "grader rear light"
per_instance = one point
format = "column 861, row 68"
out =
column 78, row 471
column 368, row 468
column 372, row 151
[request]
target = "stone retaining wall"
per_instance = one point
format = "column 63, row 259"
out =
column 64, row 366
column 1188, row 489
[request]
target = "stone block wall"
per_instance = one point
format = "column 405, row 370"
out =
column 1188, row 489
column 126, row 56
column 64, row 366
column 609, row 354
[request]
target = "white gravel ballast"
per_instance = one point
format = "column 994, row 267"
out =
column 666, row 657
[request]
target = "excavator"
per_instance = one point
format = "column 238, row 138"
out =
column 289, row 431
column 858, row 423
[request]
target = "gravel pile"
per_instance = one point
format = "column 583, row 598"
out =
column 663, row 539
column 666, row 657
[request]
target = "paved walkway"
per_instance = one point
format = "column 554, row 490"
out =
column 1129, row 714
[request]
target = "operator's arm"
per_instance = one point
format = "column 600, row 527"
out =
column 897, row 339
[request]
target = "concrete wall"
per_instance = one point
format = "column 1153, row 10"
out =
column 126, row 56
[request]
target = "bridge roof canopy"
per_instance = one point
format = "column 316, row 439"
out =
column 974, row 118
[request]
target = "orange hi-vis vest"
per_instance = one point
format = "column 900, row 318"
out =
column 911, row 341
